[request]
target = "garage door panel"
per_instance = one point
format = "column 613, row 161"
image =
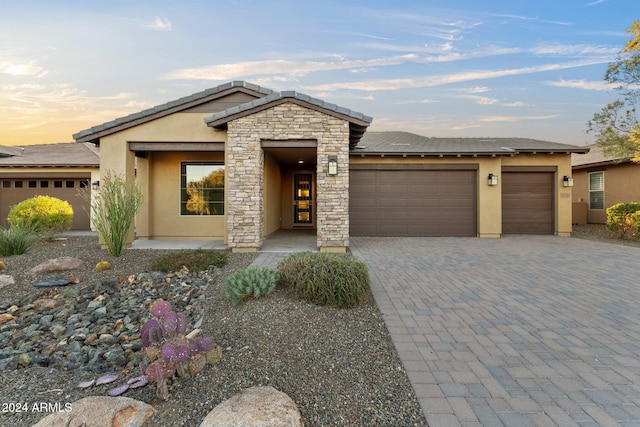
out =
column 413, row 203
column 527, row 203
column 14, row 191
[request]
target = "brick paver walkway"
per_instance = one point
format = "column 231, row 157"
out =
column 516, row 331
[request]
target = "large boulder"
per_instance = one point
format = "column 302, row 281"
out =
column 57, row 264
column 100, row 411
column 255, row 407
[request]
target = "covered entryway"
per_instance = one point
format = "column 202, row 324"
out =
column 412, row 200
column 527, row 201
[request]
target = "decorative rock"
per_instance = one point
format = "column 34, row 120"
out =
column 6, row 280
column 5, row 317
column 51, row 282
column 256, row 406
column 101, row 411
column 103, row 266
column 57, row 264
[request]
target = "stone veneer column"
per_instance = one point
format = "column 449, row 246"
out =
column 245, row 173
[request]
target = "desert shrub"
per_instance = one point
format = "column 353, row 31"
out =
column 194, row 260
column 619, row 219
column 325, row 278
column 251, row 281
column 17, row 239
column 113, row 210
column 635, row 220
column 47, row 215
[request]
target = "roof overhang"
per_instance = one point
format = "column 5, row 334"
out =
column 358, row 122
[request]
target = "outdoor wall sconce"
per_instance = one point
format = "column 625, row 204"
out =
column 567, row 181
column 95, row 185
column 333, row 166
column 492, row 179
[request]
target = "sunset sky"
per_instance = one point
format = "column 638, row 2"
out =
column 465, row 68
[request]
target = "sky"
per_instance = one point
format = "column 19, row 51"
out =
column 456, row 68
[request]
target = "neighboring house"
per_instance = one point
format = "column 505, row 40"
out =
column 602, row 181
column 239, row 162
column 60, row 170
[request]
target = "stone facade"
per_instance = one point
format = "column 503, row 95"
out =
column 245, row 172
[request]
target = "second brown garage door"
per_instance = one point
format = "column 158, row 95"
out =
column 527, row 203
column 412, row 203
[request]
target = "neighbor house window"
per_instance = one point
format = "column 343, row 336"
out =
column 201, row 188
column 596, row 190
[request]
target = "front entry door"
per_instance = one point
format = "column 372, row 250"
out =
column 303, row 199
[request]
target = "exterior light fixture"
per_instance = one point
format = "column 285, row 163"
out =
column 567, row 181
column 492, row 179
column 95, row 185
column 332, row 166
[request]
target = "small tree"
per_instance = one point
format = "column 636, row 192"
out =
column 616, row 126
column 113, row 210
column 43, row 214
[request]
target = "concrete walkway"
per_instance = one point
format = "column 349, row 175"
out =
column 516, row 331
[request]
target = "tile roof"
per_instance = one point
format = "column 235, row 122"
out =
column 164, row 109
column 64, row 154
column 595, row 157
column 6, row 151
column 228, row 114
column 398, row 143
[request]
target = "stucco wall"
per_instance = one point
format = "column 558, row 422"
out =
column 621, row 184
column 159, row 216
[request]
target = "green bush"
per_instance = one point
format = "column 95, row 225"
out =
column 47, row 215
column 17, row 239
column 195, row 260
column 325, row 278
column 619, row 219
column 251, row 281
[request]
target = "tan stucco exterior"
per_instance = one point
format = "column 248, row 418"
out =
column 621, row 185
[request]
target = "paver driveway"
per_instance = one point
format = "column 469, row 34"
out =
column 517, row 331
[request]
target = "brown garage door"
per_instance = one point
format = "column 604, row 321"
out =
column 527, row 203
column 13, row 191
column 412, row 203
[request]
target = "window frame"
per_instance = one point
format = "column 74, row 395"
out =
column 592, row 191
column 183, row 199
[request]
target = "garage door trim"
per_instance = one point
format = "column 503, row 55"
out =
column 395, row 166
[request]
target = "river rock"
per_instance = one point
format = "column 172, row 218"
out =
column 57, row 264
column 6, row 279
column 256, row 406
column 101, row 411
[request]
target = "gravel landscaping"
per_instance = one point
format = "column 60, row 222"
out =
column 339, row 366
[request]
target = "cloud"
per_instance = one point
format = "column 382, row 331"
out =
column 573, row 50
column 512, row 119
column 532, row 18
column 242, row 69
column 160, row 24
column 445, row 79
column 593, row 3
column 516, row 104
column 583, row 84
column 22, row 69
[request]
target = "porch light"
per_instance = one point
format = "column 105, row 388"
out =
column 567, row 181
column 95, row 185
column 333, row 165
column 492, row 179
